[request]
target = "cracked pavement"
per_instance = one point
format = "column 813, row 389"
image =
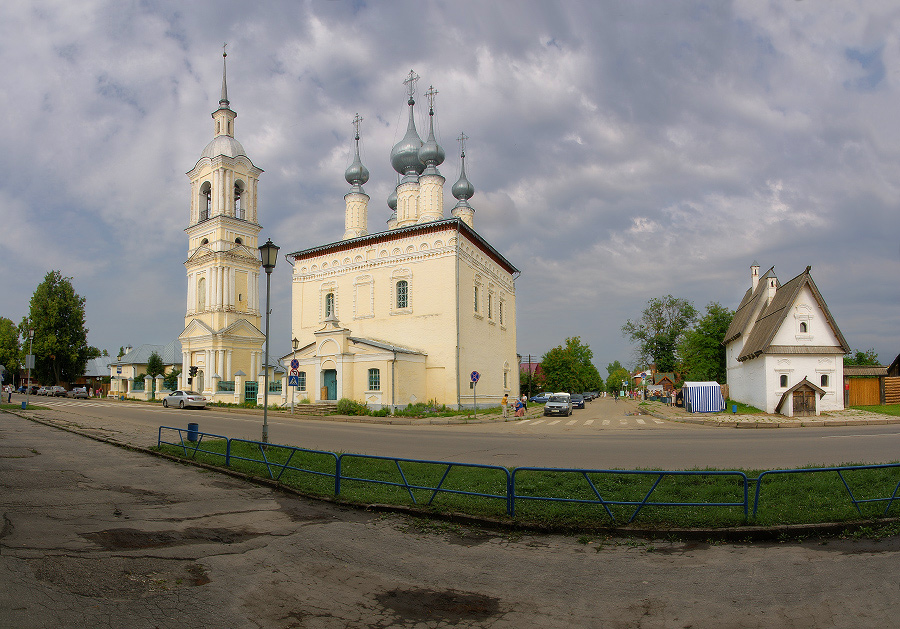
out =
column 94, row 535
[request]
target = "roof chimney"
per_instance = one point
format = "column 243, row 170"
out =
column 770, row 290
column 754, row 276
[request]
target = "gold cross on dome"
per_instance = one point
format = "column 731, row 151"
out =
column 356, row 120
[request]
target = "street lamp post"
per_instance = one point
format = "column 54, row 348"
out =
column 31, row 361
column 268, row 253
column 295, row 342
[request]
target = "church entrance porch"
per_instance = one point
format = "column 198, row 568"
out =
column 329, row 384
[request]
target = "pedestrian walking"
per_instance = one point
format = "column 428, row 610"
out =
column 504, row 405
column 525, row 401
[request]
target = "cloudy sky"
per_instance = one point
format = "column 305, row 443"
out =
column 619, row 150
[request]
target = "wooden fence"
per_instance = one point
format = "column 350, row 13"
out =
column 865, row 391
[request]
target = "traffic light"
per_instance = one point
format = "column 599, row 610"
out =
column 193, row 370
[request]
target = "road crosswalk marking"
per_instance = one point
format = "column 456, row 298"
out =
column 554, row 422
column 571, row 422
column 589, row 422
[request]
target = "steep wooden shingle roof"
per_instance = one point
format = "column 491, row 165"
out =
column 748, row 306
column 773, row 315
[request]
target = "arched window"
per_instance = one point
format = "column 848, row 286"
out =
column 239, row 211
column 205, row 200
column 824, row 380
column 783, row 380
column 402, row 294
column 201, row 294
column 329, row 304
column 803, row 327
column 238, row 241
column 205, row 241
column 374, row 380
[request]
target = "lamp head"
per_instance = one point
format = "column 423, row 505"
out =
column 269, row 255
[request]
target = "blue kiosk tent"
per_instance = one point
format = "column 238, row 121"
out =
column 703, row 397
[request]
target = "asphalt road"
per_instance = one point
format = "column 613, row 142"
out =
column 659, row 445
column 98, row 536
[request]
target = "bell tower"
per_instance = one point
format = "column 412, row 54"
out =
column 222, row 317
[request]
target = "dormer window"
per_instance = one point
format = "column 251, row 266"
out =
column 329, row 305
column 783, row 381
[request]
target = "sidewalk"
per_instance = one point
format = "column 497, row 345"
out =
column 847, row 417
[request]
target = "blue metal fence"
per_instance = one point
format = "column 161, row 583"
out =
column 640, row 504
column 507, row 479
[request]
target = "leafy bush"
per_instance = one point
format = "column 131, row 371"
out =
column 346, row 406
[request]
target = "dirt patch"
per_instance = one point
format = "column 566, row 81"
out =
column 118, row 578
column 450, row 606
column 135, row 539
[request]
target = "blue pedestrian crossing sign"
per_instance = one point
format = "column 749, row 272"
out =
column 294, row 381
column 475, row 376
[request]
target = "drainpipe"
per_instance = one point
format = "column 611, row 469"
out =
column 458, row 405
column 393, row 408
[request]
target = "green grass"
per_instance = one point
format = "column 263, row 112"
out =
column 885, row 409
column 797, row 498
column 742, row 409
column 18, row 407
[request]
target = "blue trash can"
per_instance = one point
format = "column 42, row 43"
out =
column 193, row 432
column 24, row 405
column 733, row 409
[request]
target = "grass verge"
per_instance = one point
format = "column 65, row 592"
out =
column 884, row 409
column 796, row 498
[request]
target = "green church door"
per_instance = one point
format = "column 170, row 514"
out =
column 329, row 383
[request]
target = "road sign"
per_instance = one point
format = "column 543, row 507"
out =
column 294, row 363
column 295, row 372
column 293, row 380
column 475, row 376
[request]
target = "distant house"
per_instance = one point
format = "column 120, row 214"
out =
column 124, row 371
column 784, row 350
column 665, row 379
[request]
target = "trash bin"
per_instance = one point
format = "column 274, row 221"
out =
column 24, row 405
column 193, row 432
column 733, row 409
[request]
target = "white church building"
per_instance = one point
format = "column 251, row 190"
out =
column 408, row 314
column 784, row 350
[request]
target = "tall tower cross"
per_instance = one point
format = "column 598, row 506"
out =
column 462, row 143
column 356, row 120
column 431, row 93
column 410, row 83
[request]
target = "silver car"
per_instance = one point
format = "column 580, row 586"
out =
column 559, row 404
column 181, row 399
column 79, row 392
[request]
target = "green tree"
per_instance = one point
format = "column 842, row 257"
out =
column 615, row 379
column 613, row 367
column 56, row 315
column 701, row 351
column 170, row 382
column 862, row 358
column 569, row 368
column 530, row 383
column 662, row 324
column 10, row 351
column 155, row 365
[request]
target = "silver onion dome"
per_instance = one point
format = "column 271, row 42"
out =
column 392, row 200
column 463, row 188
column 431, row 154
column 405, row 154
column 357, row 174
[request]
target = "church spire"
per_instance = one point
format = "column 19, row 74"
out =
column 463, row 189
column 223, row 101
column 357, row 201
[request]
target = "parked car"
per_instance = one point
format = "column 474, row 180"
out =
column 577, row 400
column 34, row 389
column 183, row 399
column 43, row 391
column 57, row 391
column 541, row 398
column 559, row 404
column 588, row 396
column 79, row 392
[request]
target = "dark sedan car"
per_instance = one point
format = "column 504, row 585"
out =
column 577, row 400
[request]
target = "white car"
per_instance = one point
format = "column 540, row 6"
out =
column 183, row 399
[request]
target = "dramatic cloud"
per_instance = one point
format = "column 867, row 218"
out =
column 619, row 150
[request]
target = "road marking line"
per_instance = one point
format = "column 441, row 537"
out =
column 640, row 421
column 606, row 422
column 623, row 422
column 659, row 421
column 570, row 422
column 524, row 421
column 883, row 434
column 589, row 422
column 538, row 422
column 554, row 422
